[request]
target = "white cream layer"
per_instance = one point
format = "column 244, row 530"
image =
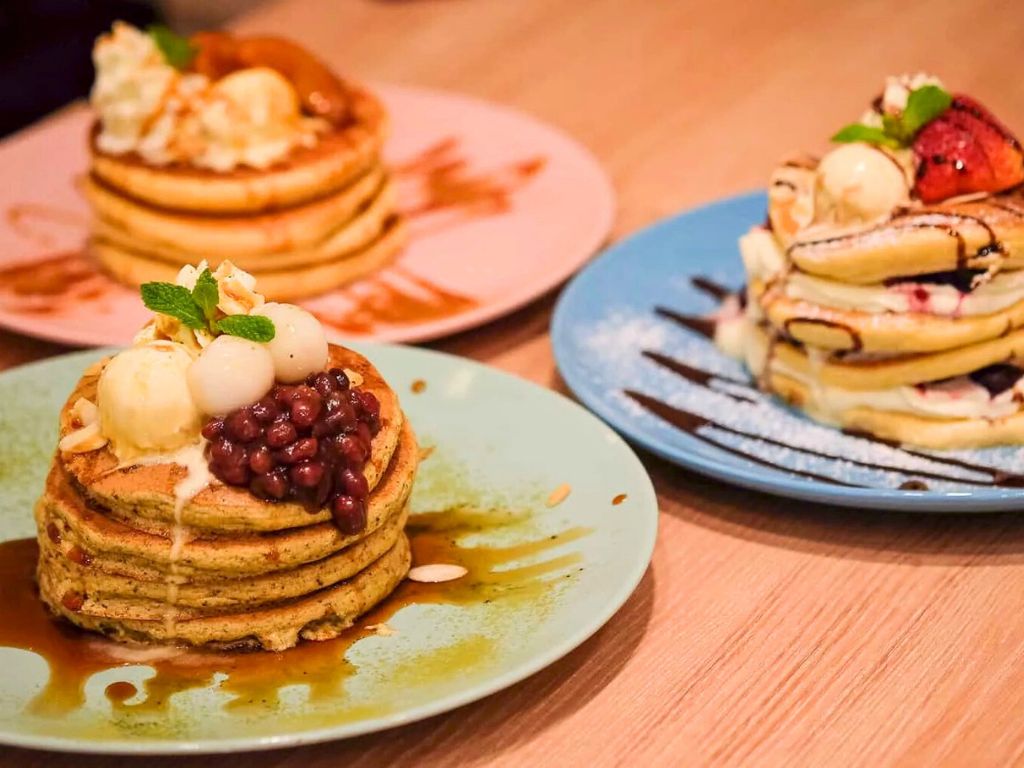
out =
column 764, row 259
column 957, row 398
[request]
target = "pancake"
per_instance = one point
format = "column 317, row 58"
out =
column 224, row 569
column 831, row 328
column 96, row 532
column 904, row 428
column 300, row 227
column 918, row 241
column 347, row 240
column 932, row 401
column 145, row 493
column 296, row 282
column 319, row 616
column 113, row 580
column 867, row 373
column 338, row 158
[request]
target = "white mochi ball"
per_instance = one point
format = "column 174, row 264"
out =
column 299, row 346
column 230, row 373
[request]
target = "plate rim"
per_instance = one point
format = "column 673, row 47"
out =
column 775, row 482
column 600, row 224
column 647, row 507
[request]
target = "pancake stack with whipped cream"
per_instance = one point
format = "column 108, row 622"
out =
column 885, row 292
column 248, row 147
column 230, row 481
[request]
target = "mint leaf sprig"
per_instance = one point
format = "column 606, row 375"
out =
column 197, row 309
column 177, row 50
column 924, row 104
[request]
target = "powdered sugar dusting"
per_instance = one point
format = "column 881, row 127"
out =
column 612, row 350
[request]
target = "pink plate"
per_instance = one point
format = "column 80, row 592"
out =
column 501, row 209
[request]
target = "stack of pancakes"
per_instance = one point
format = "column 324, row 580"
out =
column 321, row 218
column 120, row 555
column 909, row 328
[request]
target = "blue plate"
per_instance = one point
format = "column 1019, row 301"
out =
column 606, row 319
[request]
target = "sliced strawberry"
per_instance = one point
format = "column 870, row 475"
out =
column 966, row 150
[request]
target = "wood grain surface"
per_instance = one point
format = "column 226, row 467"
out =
column 767, row 632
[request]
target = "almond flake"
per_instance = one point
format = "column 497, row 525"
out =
column 84, row 412
column 560, row 494
column 436, row 573
column 83, row 440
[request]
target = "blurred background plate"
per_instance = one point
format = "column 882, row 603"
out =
column 500, row 445
column 523, row 207
column 605, row 320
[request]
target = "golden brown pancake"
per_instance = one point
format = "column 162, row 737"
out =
column 906, row 428
column 320, row 615
column 97, row 531
column 145, row 494
column 296, row 282
column 878, row 395
column 230, row 237
column 110, row 578
column 937, row 238
column 351, row 237
column 230, row 570
column 337, row 159
column 833, row 328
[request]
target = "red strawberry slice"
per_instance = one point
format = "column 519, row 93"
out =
column 964, row 150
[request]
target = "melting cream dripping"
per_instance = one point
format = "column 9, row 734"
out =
column 197, row 477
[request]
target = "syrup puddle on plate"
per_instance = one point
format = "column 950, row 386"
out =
column 255, row 679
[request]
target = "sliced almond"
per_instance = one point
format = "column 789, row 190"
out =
column 83, row 440
column 354, row 379
column 237, row 290
column 560, row 494
column 436, row 573
column 85, row 412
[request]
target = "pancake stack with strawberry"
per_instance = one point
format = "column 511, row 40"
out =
column 886, row 290
column 249, row 148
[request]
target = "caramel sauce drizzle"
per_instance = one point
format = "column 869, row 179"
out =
column 256, row 678
column 446, row 182
column 25, row 219
column 51, row 284
column 383, row 300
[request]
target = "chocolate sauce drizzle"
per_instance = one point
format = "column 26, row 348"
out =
column 705, row 326
column 744, row 392
column 711, row 288
column 911, row 219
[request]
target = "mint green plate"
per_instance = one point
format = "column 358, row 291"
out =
column 499, row 443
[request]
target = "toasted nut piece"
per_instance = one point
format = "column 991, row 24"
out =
column 436, row 573
column 83, row 440
column 560, row 494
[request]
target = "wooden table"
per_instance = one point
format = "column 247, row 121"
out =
column 767, row 632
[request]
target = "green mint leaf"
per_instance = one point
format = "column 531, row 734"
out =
column 177, row 50
column 173, row 300
column 252, row 327
column 924, row 104
column 205, row 294
column 866, row 133
column 892, row 126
